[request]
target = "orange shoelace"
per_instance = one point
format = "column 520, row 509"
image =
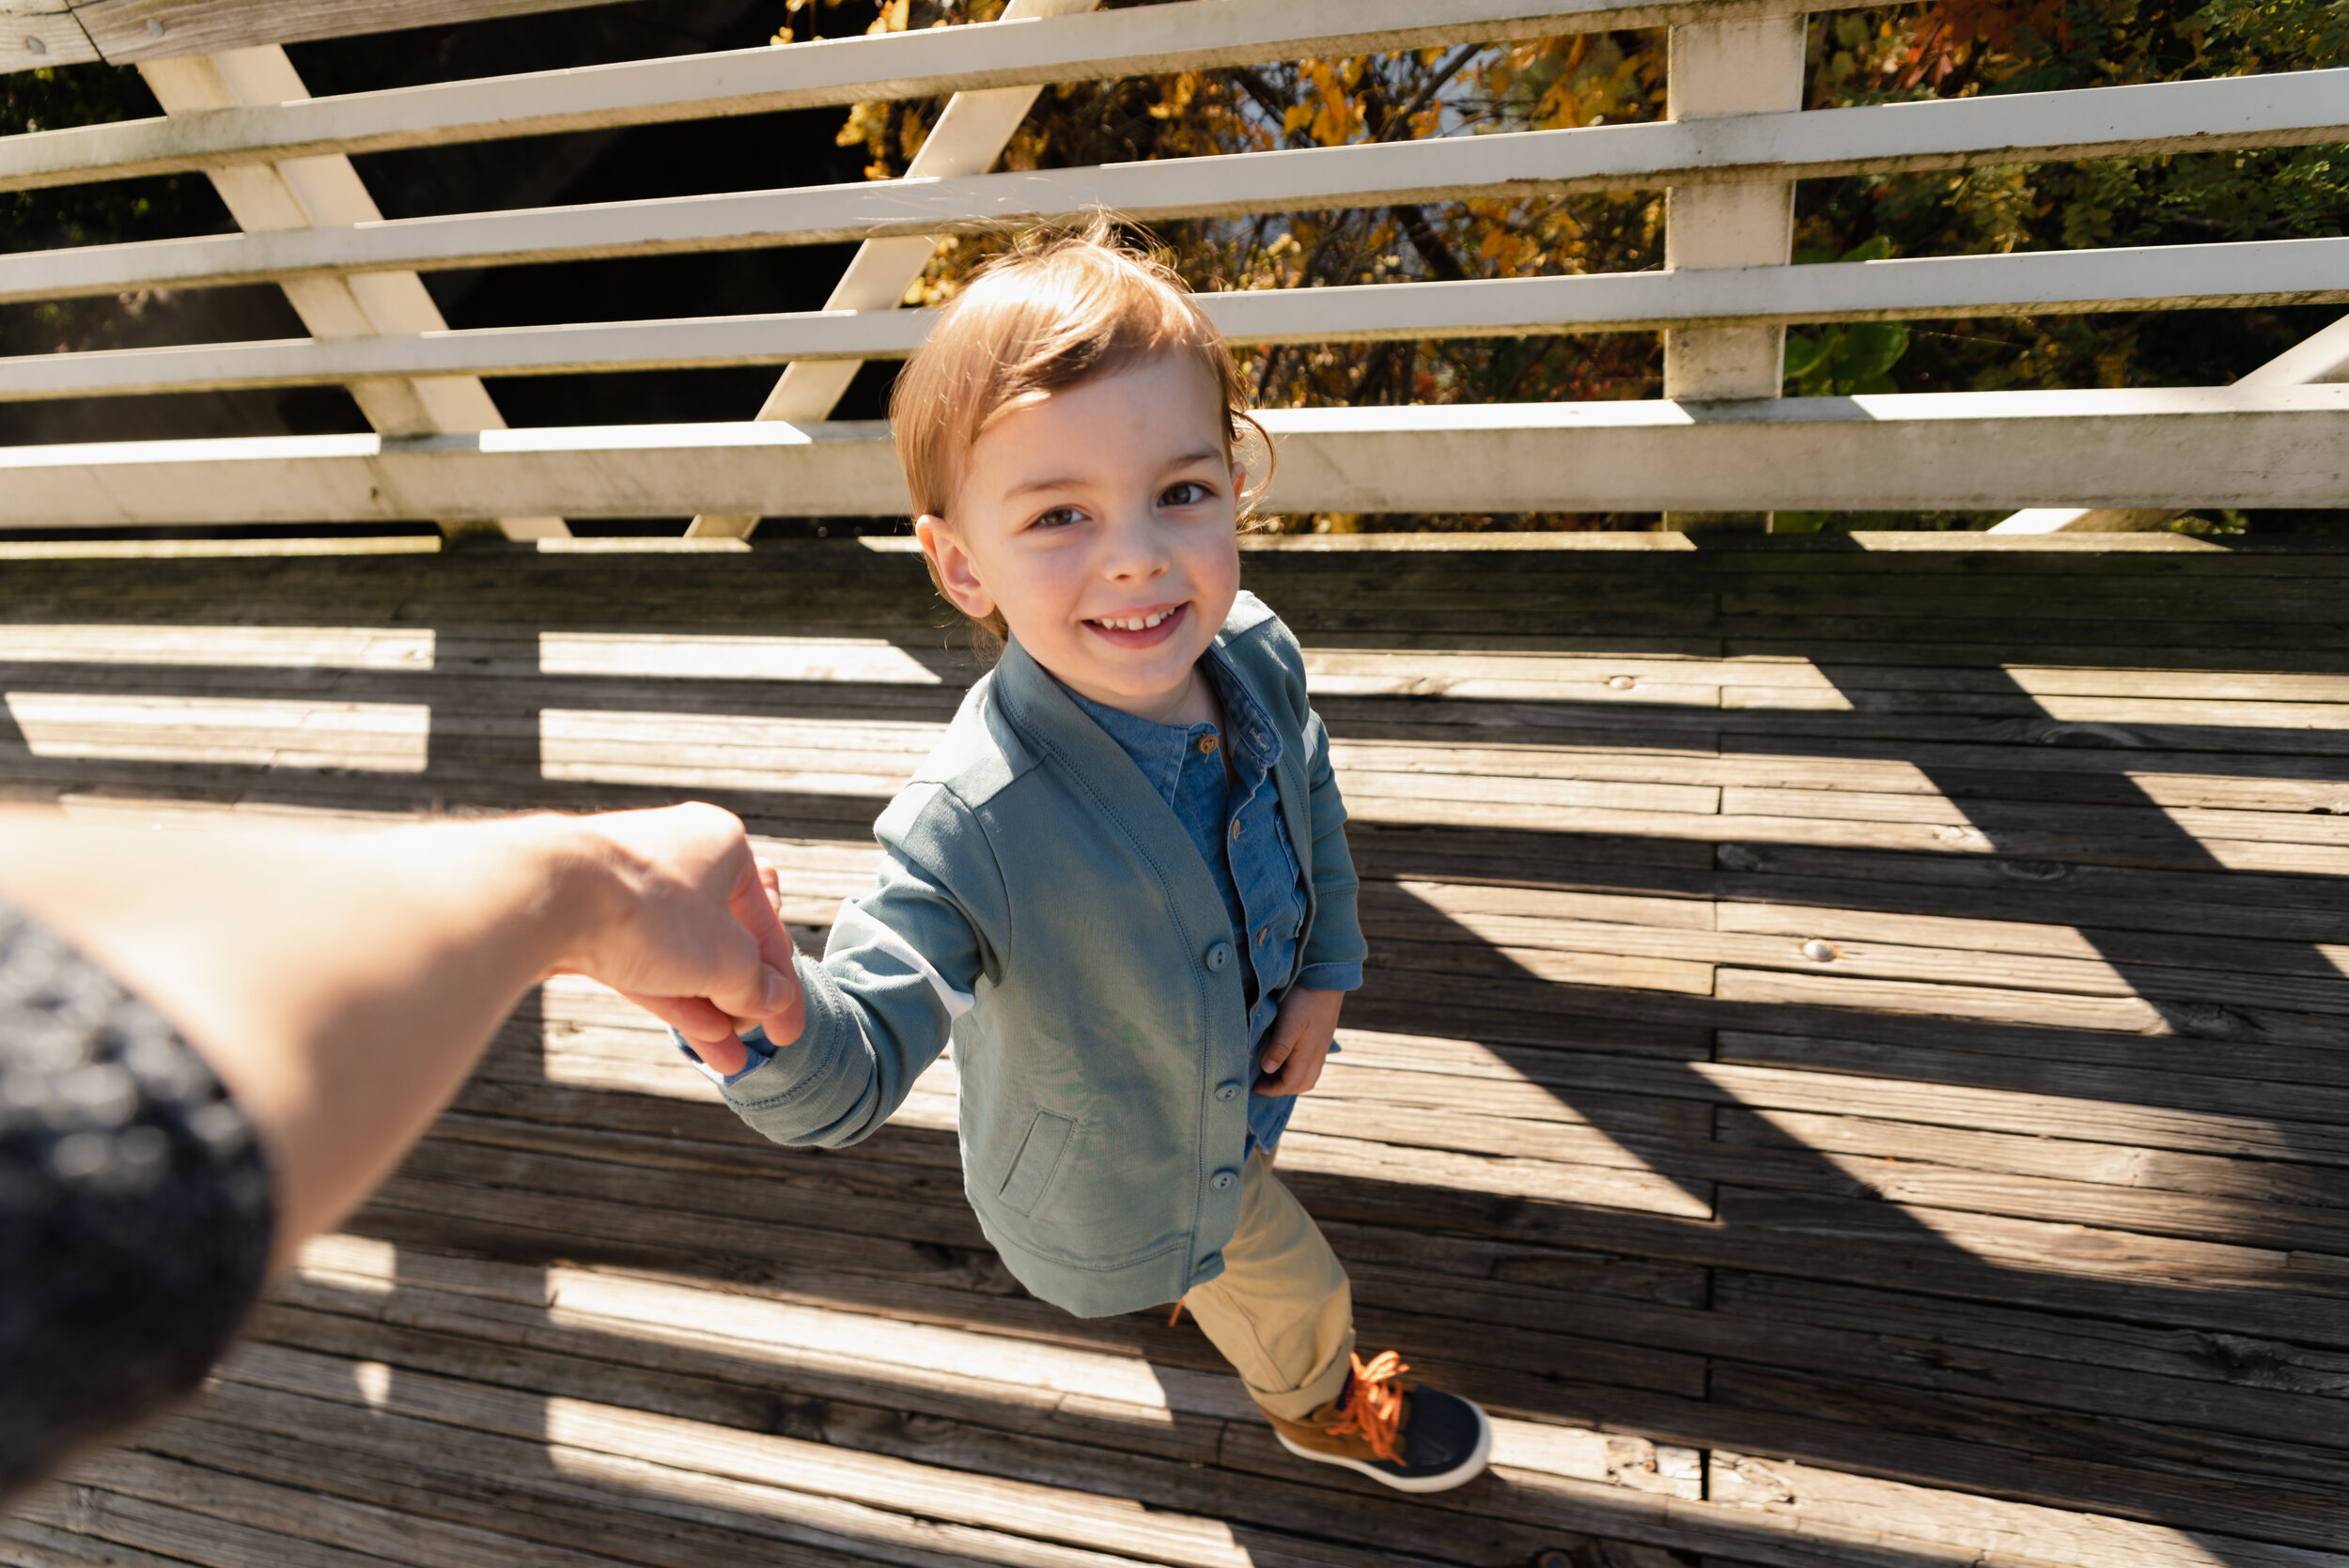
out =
column 1374, row 1409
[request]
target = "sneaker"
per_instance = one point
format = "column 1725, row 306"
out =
column 1411, row 1439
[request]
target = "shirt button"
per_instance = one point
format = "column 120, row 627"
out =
column 1207, row 743
column 1235, row 829
column 1217, row 956
column 1262, row 933
column 1224, row 1181
column 1227, row 1092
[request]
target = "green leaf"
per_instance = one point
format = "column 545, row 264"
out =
column 1803, row 355
column 1877, row 249
column 1870, row 348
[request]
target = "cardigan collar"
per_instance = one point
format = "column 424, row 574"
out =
column 1041, row 708
column 1038, row 704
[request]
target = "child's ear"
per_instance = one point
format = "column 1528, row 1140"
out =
column 957, row 576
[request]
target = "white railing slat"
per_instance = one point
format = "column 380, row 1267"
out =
column 2211, row 115
column 2321, row 358
column 2266, row 273
column 1194, row 34
column 2228, row 447
column 130, row 32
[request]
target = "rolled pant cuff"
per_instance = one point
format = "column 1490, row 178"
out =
column 1312, row 1394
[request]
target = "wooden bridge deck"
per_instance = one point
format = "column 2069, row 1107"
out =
column 1852, row 1074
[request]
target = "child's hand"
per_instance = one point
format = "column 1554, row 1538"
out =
column 771, row 884
column 684, row 923
column 1300, row 1043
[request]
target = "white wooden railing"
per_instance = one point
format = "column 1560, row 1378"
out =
column 1722, row 447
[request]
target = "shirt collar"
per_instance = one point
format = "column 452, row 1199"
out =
column 1159, row 749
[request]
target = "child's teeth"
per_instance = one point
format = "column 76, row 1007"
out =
column 1136, row 623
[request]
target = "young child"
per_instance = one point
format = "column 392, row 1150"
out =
column 1120, row 884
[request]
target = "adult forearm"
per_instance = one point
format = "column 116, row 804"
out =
column 342, row 986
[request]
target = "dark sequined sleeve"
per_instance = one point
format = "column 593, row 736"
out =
column 134, row 1206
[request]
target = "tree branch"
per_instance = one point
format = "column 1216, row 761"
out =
column 1433, row 85
column 1412, row 220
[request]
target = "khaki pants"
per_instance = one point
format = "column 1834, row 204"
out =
column 1282, row 1311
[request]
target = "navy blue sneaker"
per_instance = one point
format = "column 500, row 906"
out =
column 1402, row 1435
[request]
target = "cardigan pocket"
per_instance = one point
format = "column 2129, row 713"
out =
column 1039, row 1158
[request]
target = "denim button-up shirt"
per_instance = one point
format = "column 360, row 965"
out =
column 1234, row 817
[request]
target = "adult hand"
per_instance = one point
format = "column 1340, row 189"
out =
column 688, row 929
column 1300, row 1042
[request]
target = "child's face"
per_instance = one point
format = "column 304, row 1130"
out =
column 1102, row 521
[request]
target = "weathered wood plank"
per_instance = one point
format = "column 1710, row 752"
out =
column 507, row 1484
column 2130, row 1167
column 1067, row 1493
column 1912, row 1179
column 1994, row 1527
column 2280, row 907
column 2131, row 952
column 2044, row 1344
column 186, row 1535
column 27, row 1543
column 2121, row 1472
column 2010, row 772
column 659, row 1514
column 350, row 1530
column 1847, row 944
column 1956, row 598
column 2161, row 1108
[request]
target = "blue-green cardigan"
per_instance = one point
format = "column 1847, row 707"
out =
column 1042, row 905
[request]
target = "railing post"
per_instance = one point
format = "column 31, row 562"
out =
column 1729, row 68
column 305, row 193
column 971, row 133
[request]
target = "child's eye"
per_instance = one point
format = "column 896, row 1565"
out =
column 1187, row 492
column 1059, row 517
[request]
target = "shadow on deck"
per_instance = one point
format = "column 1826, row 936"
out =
column 1851, row 1074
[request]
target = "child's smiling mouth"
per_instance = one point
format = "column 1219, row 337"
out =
column 1140, row 628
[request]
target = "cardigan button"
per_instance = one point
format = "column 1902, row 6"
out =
column 1224, row 1181
column 1219, row 957
column 1227, row 1092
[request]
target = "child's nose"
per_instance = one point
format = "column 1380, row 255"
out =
column 1137, row 548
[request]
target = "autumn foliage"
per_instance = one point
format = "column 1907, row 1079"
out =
column 1951, row 48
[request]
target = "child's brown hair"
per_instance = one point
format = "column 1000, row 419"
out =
column 1060, row 309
